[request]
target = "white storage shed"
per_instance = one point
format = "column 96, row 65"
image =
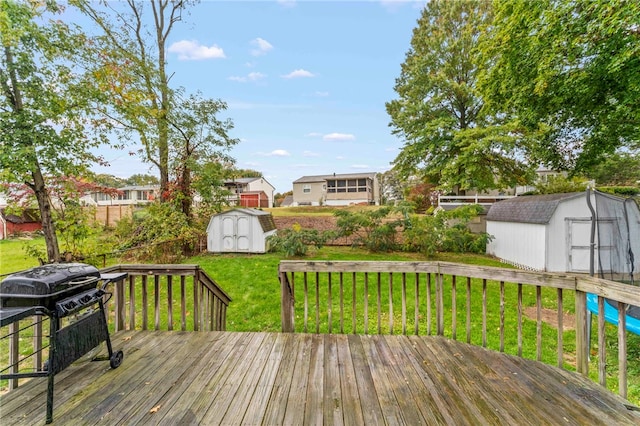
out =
column 542, row 232
column 553, row 233
column 240, row 231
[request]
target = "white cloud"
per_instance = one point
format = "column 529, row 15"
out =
column 313, row 135
column 359, row 166
column 339, row 137
column 262, row 46
column 299, row 73
column 310, row 154
column 279, row 153
column 321, row 94
column 191, row 50
column 340, row 157
column 252, row 76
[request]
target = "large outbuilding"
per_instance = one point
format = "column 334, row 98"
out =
column 553, row 232
column 240, row 231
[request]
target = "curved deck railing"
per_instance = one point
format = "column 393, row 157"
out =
column 158, row 297
column 146, row 299
column 452, row 300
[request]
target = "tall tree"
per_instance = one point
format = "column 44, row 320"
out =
column 198, row 138
column 619, row 168
column 43, row 104
column 571, row 69
column 130, row 61
column 448, row 139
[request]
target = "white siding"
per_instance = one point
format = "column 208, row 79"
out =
column 261, row 184
column 522, row 244
column 236, row 231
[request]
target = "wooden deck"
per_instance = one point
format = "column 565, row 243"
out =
column 230, row 378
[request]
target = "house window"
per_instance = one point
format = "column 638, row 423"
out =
column 124, row 196
column 348, row 185
column 306, row 188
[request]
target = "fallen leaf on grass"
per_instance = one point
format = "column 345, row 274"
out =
column 124, row 339
column 155, row 409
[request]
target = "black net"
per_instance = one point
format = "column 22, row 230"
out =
column 617, row 253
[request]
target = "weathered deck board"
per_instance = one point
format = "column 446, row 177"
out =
column 274, row 378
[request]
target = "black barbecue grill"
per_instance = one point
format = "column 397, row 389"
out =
column 58, row 291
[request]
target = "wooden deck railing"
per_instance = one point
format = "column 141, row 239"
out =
column 158, row 297
column 147, row 298
column 452, row 299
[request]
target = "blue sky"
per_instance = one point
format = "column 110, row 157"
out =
column 305, row 82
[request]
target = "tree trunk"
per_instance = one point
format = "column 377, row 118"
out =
column 185, row 189
column 44, row 204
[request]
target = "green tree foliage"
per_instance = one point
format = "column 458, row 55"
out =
column 571, row 70
column 108, row 180
column 560, row 184
column 44, row 104
column 449, row 139
column 141, row 180
column 200, row 138
column 391, row 186
column 246, row 173
column 129, row 63
column 619, row 168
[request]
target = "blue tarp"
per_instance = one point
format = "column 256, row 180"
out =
column 611, row 313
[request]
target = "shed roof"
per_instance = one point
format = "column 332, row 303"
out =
column 266, row 219
column 529, row 208
column 26, row 216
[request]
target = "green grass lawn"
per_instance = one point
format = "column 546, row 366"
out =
column 14, row 257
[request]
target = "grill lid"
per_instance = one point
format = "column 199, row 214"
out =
column 48, row 279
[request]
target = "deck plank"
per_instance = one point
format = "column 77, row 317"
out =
column 371, row 410
column 332, row 396
column 351, row 402
column 272, row 378
column 313, row 403
column 275, row 410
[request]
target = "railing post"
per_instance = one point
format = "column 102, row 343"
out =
column 196, row 300
column 14, row 352
column 582, row 343
column 439, row 303
column 119, row 305
column 286, row 304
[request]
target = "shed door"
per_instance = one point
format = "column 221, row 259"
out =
column 243, row 233
column 579, row 240
column 229, row 233
column 236, row 233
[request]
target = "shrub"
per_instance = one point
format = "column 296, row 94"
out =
column 372, row 229
column 445, row 231
column 163, row 233
column 295, row 241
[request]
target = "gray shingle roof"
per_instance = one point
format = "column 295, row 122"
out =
column 529, row 208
